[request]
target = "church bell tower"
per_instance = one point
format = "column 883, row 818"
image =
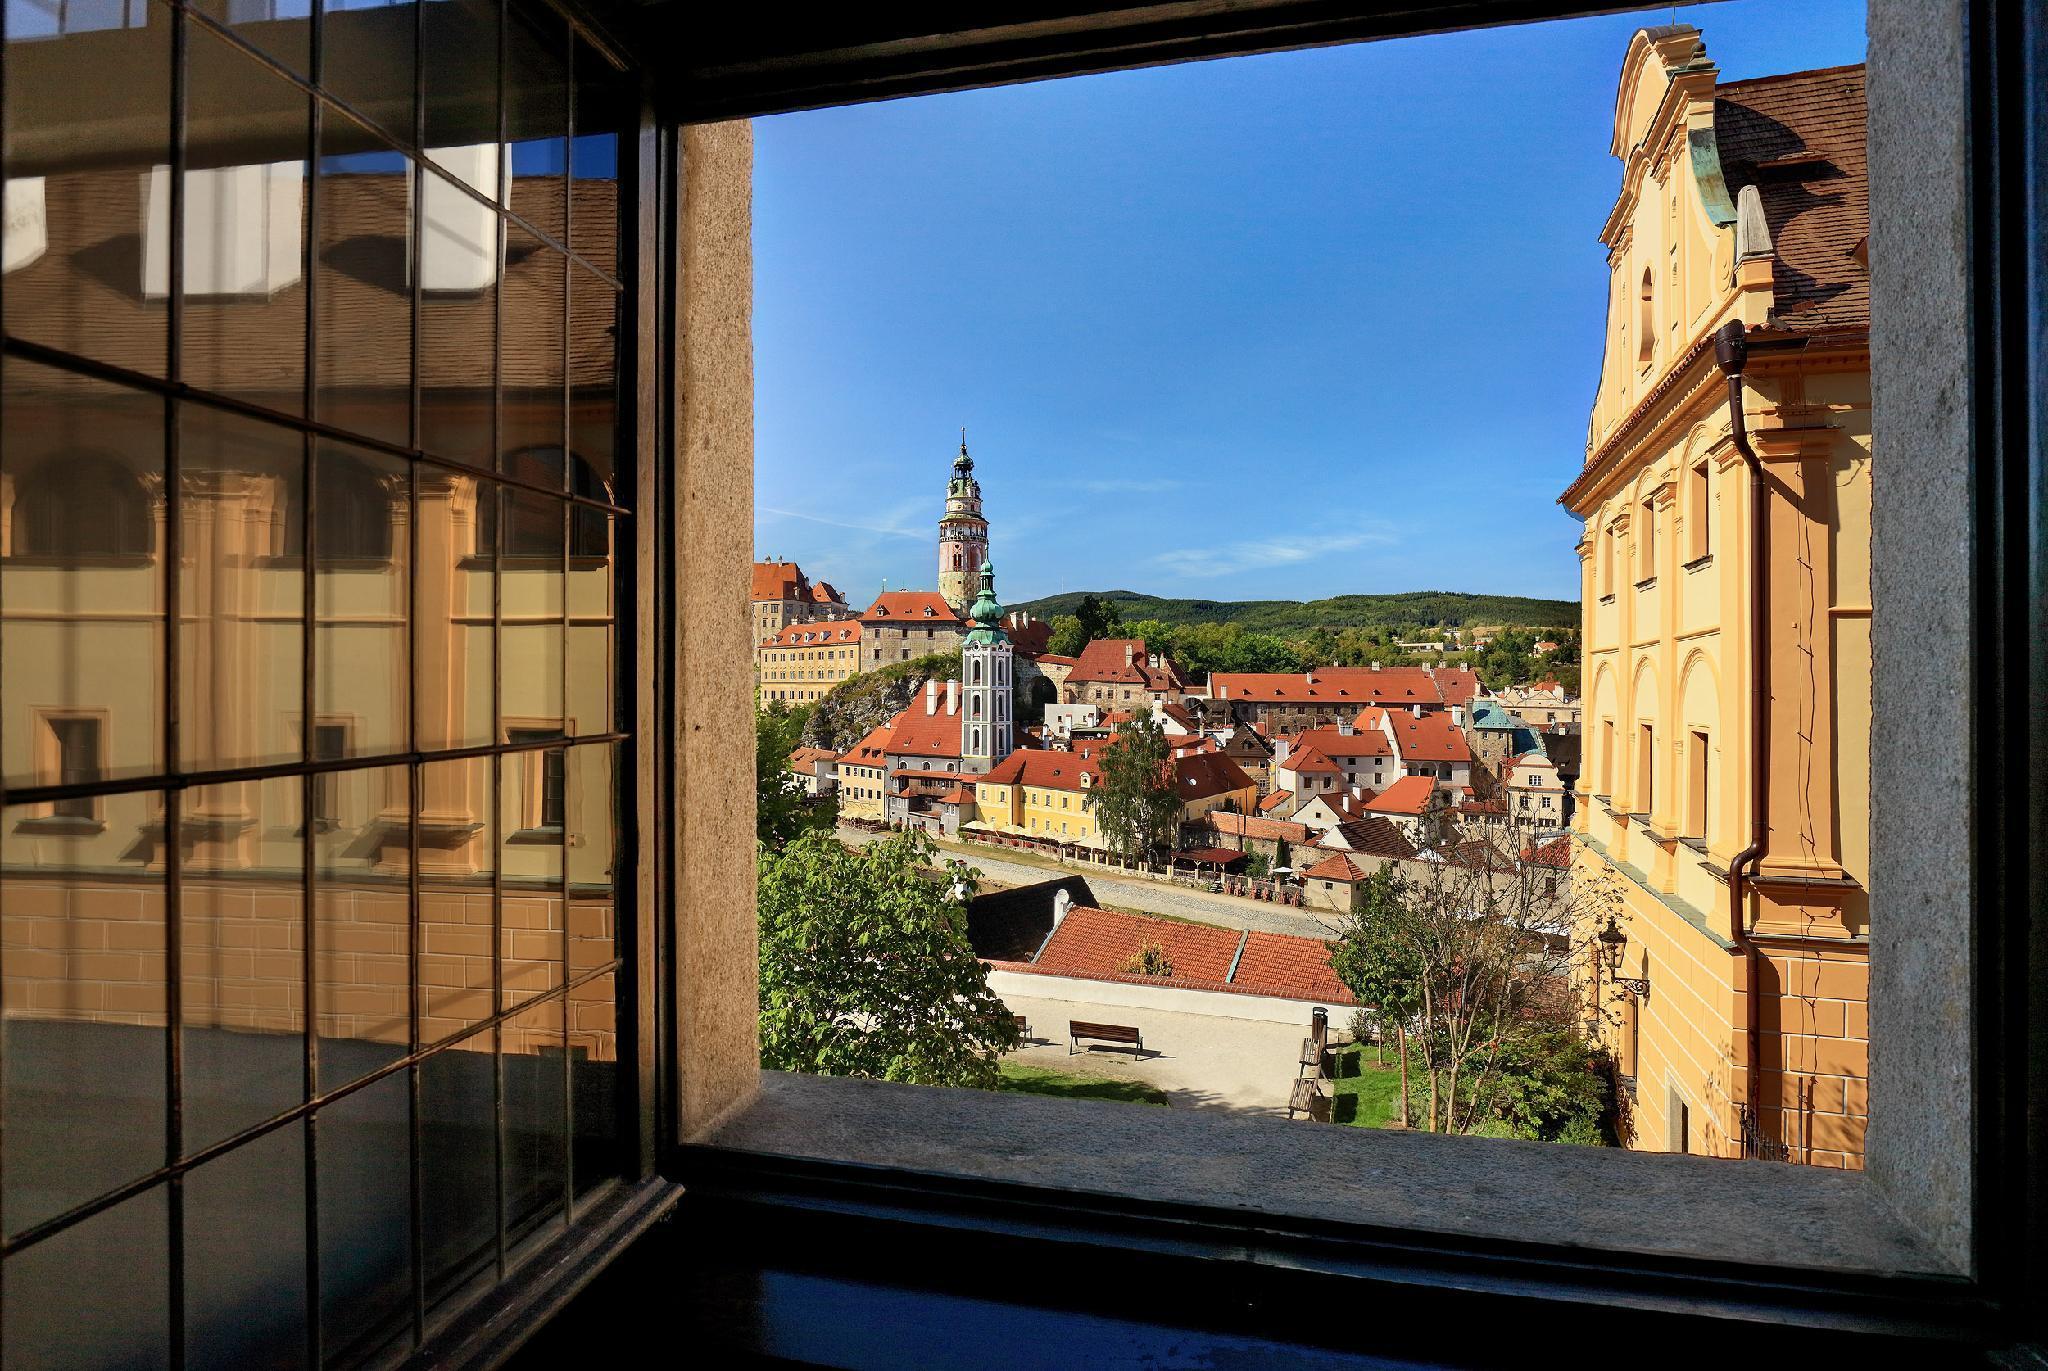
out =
column 963, row 534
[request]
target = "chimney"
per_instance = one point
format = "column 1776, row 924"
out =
column 953, row 697
column 1375, row 666
column 931, row 696
column 1344, row 728
column 1130, row 654
column 1061, row 903
column 1416, row 710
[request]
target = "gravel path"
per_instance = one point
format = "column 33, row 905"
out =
column 1151, row 897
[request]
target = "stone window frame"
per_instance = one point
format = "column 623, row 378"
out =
column 1927, row 1243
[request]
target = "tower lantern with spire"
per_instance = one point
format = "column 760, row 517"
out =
column 987, row 669
column 963, row 533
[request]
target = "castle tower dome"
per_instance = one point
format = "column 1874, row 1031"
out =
column 963, row 533
column 987, row 673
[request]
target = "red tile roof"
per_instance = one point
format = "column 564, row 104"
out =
column 1103, row 660
column 1051, row 659
column 914, row 733
column 825, row 593
column 1410, row 796
column 1335, row 867
column 1799, row 139
column 1309, row 761
column 910, row 606
column 779, row 581
column 1252, row 826
column 1557, row 853
column 1403, row 685
column 1425, row 737
column 1275, row 801
column 1052, row 770
column 1201, row 775
column 1359, row 742
column 836, row 632
column 806, row 759
column 1100, row 944
column 870, row 750
column 1375, row 834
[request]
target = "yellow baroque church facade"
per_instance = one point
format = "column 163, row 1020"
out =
column 1726, row 594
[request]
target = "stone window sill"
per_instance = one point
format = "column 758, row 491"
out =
column 1647, row 583
column 1608, row 598
column 1267, row 1168
column 1700, row 563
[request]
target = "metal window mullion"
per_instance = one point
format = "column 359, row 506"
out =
column 497, row 646
column 568, row 524
column 309, row 915
column 172, row 545
column 415, row 772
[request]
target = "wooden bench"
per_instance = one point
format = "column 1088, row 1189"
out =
column 1306, row 1099
column 1024, row 1028
column 1103, row 1032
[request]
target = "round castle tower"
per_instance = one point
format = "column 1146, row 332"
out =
column 987, row 665
column 963, row 533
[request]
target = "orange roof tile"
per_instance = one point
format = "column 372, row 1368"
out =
column 1335, row 867
column 1100, row 944
column 910, row 606
column 1410, row 796
column 1104, row 660
column 1275, row 801
column 779, row 581
column 827, row 633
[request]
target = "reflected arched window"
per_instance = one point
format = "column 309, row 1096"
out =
column 81, row 505
column 534, row 525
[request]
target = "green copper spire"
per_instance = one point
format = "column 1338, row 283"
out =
column 986, row 612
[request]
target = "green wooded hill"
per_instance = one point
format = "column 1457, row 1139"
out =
column 1448, row 609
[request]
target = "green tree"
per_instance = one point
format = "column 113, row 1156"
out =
column 1375, row 956
column 1099, row 618
column 781, row 809
column 1135, row 805
column 1068, row 636
column 866, row 969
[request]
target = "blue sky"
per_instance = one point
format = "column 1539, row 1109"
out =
column 1308, row 324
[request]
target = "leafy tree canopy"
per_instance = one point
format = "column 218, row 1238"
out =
column 1136, row 808
column 781, row 809
column 866, row 969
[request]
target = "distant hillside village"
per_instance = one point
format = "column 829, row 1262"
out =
column 1319, row 772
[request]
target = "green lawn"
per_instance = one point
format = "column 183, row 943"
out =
column 1364, row 1093
column 1039, row 1080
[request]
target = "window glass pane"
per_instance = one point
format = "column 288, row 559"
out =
column 461, row 39
column 85, row 125
column 82, row 1017
column 458, row 854
column 605, row 109
column 280, row 28
column 536, row 1120
column 594, row 379
column 242, row 912
column 244, row 330
column 241, row 596
column 365, row 1195
column 367, row 59
column 81, row 470
column 361, row 546
column 532, row 807
column 594, row 1067
column 361, row 953
column 460, row 244
column 364, row 300
column 532, row 602
column 537, row 114
column 458, row 578
column 592, row 621
column 245, row 1255
column 91, row 1295
column 531, row 352
column 459, row 1167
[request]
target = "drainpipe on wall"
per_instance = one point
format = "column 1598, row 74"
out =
column 1731, row 354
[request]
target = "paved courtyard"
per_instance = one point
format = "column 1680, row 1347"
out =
column 1200, row 1061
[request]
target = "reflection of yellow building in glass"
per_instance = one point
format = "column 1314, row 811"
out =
column 1736, row 250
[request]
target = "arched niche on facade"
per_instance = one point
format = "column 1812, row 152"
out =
column 80, row 505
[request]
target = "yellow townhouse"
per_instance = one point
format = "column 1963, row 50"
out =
column 1725, row 561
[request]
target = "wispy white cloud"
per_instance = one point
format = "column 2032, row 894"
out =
column 1230, row 559
column 893, row 528
column 1131, row 485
